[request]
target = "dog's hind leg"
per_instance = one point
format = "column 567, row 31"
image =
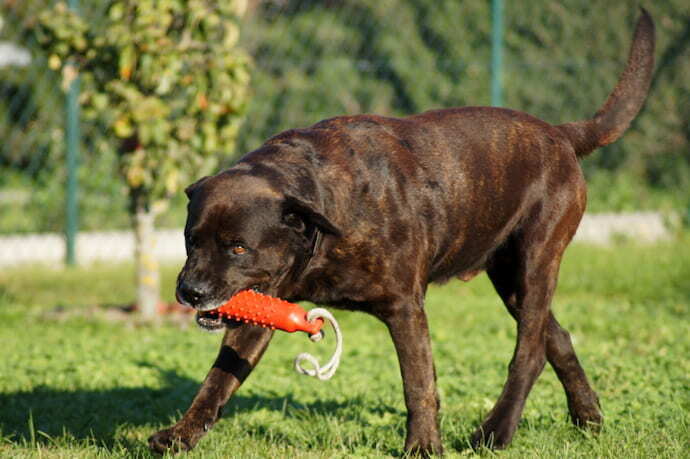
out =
column 583, row 403
column 409, row 330
column 240, row 351
column 525, row 273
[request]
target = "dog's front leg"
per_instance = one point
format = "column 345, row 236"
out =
column 410, row 332
column 240, row 351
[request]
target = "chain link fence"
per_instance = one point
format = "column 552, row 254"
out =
column 316, row 59
column 31, row 120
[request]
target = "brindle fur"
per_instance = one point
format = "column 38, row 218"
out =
column 397, row 204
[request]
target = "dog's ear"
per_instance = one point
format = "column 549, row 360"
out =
column 189, row 191
column 301, row 215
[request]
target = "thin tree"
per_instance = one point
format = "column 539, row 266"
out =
column 167, row 79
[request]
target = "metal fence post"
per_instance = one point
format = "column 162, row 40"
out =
column 73, row 138
column 496, row 52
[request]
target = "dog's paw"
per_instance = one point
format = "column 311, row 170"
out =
column 492, row 435
column 418, row 448
column 591, row 420
column 585, row 412
column 170, row 440
column 424, row 451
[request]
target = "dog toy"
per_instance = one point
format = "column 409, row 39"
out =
column 249, row 306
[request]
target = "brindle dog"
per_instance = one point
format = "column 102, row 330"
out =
column 363, row 212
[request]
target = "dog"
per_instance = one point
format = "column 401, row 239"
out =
column 363, row 212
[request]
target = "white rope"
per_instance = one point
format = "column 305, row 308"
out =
column 327, row 371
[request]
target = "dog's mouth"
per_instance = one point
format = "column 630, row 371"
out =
column 214, row 322
column 211, row 320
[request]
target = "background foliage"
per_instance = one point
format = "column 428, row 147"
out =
column 396, row 57
column 317, row 59
column 164, row 77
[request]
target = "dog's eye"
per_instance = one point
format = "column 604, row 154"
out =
column 238, row 249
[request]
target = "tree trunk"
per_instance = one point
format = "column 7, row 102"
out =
column 148, row 276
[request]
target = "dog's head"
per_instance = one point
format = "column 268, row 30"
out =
column 242, row 233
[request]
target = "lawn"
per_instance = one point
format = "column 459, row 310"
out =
column 76, row 381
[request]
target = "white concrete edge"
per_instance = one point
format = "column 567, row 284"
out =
column 49, row 249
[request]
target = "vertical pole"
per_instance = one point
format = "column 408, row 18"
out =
column 496, row 52
column 73, row 137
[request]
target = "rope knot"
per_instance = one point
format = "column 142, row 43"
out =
column 328, row 370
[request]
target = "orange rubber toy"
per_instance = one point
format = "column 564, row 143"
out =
column 253, row 307
column 256, row 308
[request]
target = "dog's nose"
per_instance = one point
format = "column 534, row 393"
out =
column 191, row 294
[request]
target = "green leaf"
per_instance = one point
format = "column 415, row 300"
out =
column 128, row 58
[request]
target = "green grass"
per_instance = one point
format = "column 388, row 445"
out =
column 80, row 385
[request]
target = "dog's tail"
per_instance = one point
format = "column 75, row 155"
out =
column 622, row 105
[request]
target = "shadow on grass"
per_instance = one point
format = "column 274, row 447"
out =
column 98, row 415
column 92, row 414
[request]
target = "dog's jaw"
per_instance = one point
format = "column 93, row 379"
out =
column 214, row 323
